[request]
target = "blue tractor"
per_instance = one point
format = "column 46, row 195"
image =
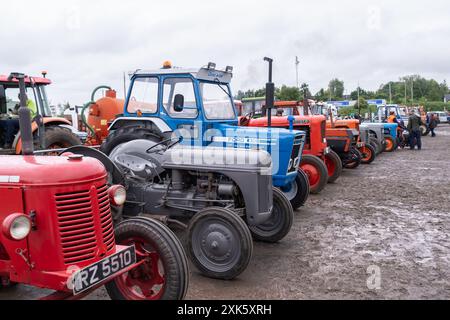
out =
column 196, row 107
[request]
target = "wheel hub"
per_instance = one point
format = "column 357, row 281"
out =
column 290, row 191
column 216, row 242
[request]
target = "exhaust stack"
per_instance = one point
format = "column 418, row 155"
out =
column 24, row 116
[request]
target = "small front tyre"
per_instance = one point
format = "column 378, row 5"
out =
column 368, row 153
column 297, row 192
column 316, row 171
column 279, row 223
column 164, row 275
column 220, row 244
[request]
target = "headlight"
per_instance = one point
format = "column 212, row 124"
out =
column 16, row 226
column 117, row 195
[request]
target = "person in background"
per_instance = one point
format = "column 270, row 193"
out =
column 10, row 127
column 433, row 124
column 415, row 135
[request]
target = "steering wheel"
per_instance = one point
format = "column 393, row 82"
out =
column 164, row 144
column 245, row 120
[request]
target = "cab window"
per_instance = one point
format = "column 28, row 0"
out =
column 184, row 87
column 144, row 96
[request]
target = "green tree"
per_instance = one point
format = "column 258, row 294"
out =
column 336, row 88
column 286, row 93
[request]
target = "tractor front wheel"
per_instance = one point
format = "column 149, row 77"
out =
column 297, row 192
column 391, row 144
column 355, row 159
column 368, row 154
column 317, row 172
column 334, row 166
column 279, row 223
column 163, row 276
column 377, row 145
column 220, row 244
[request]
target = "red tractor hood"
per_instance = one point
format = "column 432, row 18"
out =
column 48, row 170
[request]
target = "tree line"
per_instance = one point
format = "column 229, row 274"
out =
column 408, row 90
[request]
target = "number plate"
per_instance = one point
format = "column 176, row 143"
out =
column 96, row 273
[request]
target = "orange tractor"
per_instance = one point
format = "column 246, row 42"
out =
column 368, row 151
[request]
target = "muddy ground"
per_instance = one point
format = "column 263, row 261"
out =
column 381, row 232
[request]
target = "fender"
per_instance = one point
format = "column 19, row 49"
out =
column 114, row 172
column 160, row 124
column 34, row 128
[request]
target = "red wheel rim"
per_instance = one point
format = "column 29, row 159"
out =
column 331, row 166
column 366, row 152
column 147, row 281
column 312, row 173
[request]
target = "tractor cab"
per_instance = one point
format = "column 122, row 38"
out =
column 196, row 107
column 60, row 133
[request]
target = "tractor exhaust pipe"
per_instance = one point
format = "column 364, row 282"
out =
column 26, row 133
column 270, row 93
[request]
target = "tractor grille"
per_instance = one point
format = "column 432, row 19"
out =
column 77, row 227
column 307, row 130
column 297, row 150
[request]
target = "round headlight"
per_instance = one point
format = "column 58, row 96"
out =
column 117, row 195
column 17, row 226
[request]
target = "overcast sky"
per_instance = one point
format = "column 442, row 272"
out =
column 83, row 44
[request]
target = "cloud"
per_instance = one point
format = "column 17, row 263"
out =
column 85, row 43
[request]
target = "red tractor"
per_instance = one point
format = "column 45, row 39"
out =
column 319, row 162
column 57, row 230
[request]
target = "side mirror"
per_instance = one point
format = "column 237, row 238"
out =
column 178, row 103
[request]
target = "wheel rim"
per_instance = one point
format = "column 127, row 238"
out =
column 216, row 244
column 366, row 153
column 147, row 281
column 313, row 174
column 290, row 191
column 331, row 166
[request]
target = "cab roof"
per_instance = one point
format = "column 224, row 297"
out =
column 203, row 73
column 28, row 80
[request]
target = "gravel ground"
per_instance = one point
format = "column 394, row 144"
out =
column 381, row 232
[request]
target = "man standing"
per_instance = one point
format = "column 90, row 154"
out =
column 415, row 135
column 433, row 124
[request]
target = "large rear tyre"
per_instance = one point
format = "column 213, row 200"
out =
column 164, row 275
column 368, row 154
column 297, row 192
column 58, row 138
column 391, row 144
column 220, row 244
column 317, row 172
column 334, row 166
column 127, row 134
column 280, row 222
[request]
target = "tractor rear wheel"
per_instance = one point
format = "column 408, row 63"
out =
column 317, row 172
column 297, row 192
column 220, row 244
column 334, row 166
column 368, row 154
column 279, row 223
column 163, row 276
column 127, row 134
column 391, row 144
column 59, row 138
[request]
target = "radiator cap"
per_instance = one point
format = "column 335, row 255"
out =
column 75, row 157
